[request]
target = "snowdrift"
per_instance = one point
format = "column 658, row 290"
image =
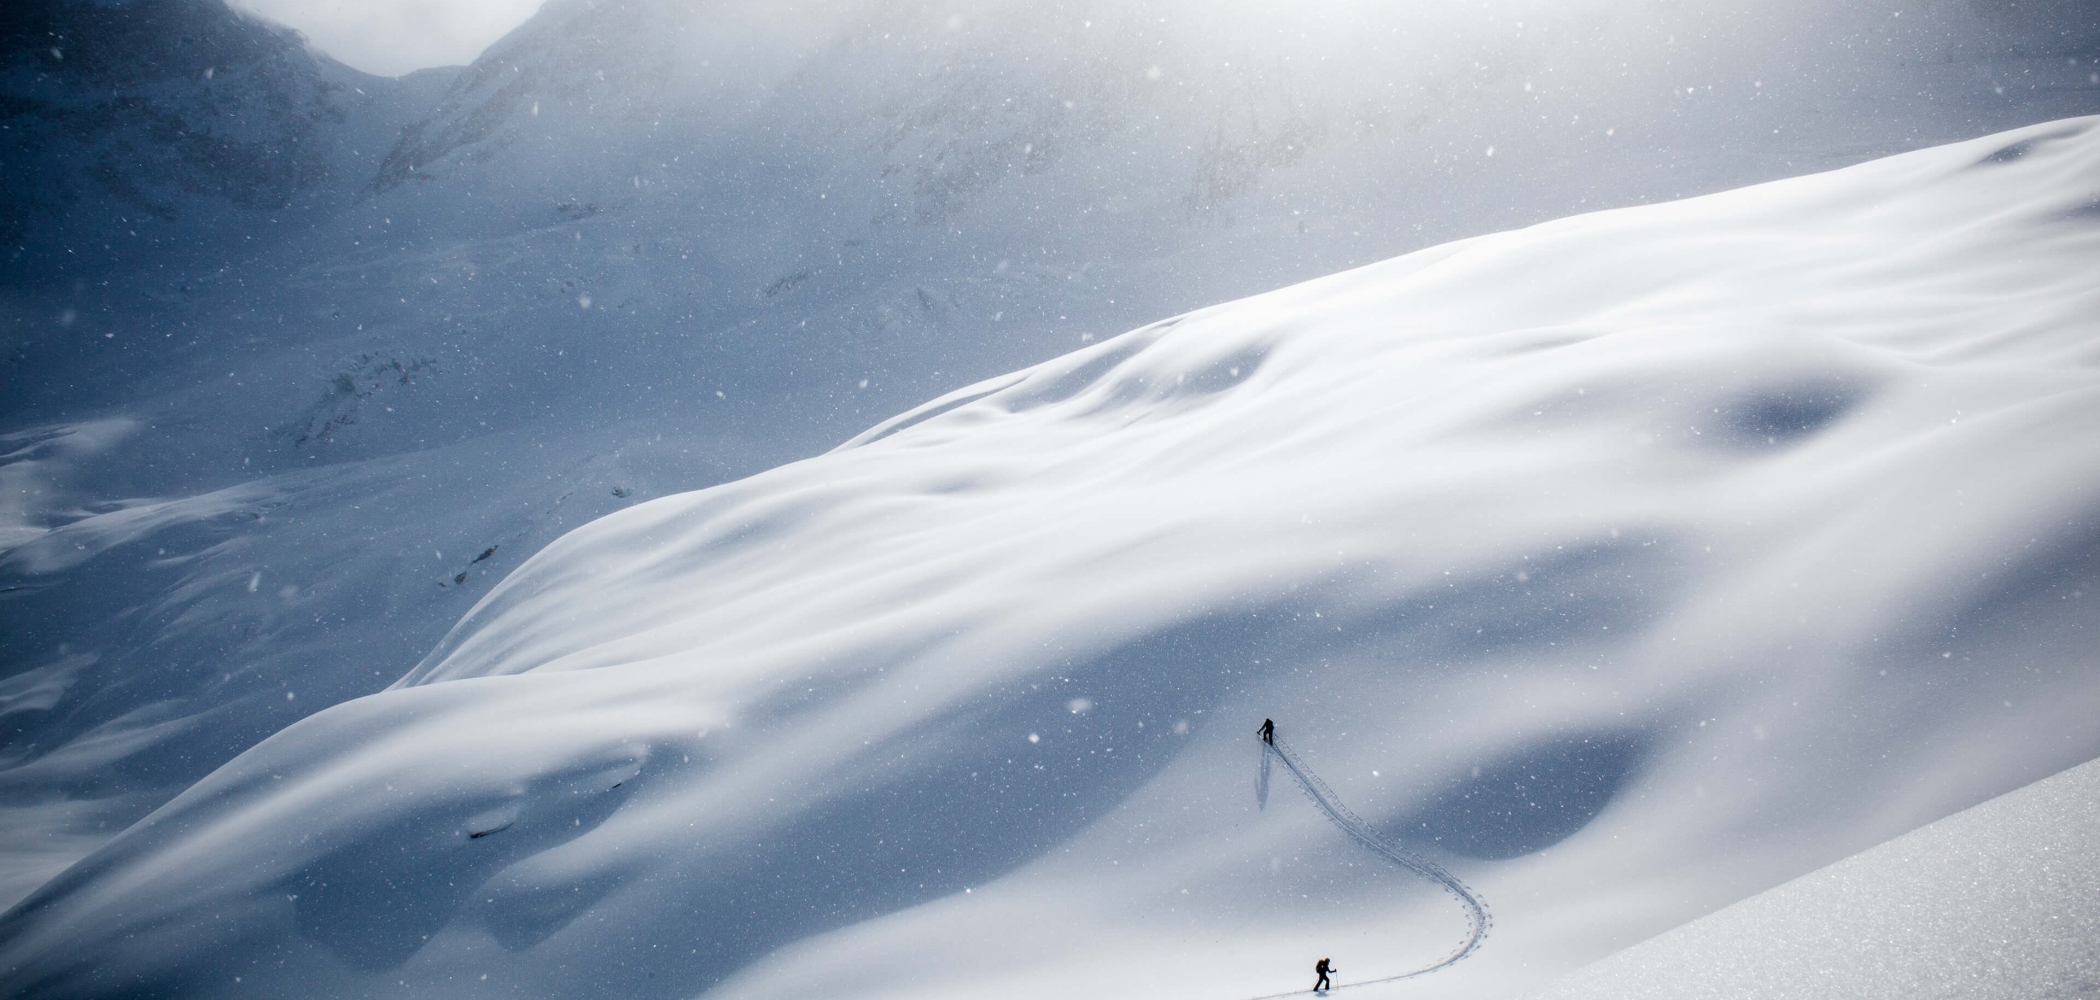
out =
column 1625, row 565
column 1994, row 901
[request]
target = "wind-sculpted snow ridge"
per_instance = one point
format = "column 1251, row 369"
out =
column 1478, row 920
column 1623, row 566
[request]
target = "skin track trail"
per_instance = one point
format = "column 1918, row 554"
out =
column 1478, row 919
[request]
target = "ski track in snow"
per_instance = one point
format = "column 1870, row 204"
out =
column 1478, row 919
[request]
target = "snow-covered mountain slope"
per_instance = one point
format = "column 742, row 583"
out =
column 645, row 247
column 1995, row 901
column 1626, row 565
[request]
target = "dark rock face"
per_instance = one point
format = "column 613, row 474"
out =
column 158, row 98
column 2040, row 27
column 182, row 116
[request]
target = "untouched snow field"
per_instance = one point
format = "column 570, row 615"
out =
column 1996, row 901
column 1625, row 565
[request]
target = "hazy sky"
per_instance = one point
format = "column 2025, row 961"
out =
column 392, row 37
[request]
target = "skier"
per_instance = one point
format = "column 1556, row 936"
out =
column 1323, row 969
column 1267, row 732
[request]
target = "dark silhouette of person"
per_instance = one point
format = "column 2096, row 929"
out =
column 1323, row 969
column 1267, row 732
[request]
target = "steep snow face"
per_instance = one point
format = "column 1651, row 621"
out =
column 1995, row 901
column 1627, row 565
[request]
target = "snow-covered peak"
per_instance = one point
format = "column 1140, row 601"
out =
column 1156, row 128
